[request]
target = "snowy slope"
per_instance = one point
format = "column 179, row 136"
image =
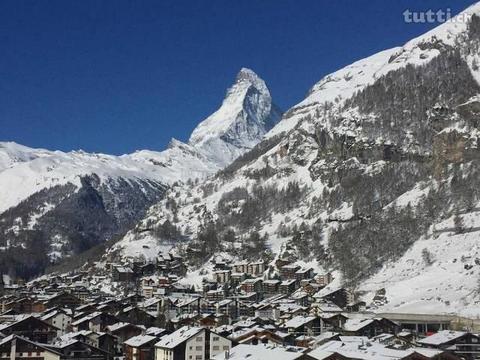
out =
column 447, row 282
column 342, row 84
column 28, row 171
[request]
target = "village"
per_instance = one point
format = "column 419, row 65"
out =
column 238, row 314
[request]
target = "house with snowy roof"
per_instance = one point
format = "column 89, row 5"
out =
column 31, row 328
column 191, row 343
column 140, row 347
column 15, row 347
column 462, row 343
column 303, row 325
column 262, row 352
column 360, row 348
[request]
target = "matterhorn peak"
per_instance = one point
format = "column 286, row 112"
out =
column 248, row 76
column 246, row 114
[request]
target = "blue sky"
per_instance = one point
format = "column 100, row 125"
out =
column 116, row 76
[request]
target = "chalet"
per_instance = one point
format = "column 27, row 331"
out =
column 141, row 347
column 303, row 325
column 85, row 309
column 332, row 321
column 252, row 285
column 79, row 350
column 326, row 307
column 215, row 295
column 288, row 271
column 237, row 278
column 340, row 297
column 220, row 265
column 222, row 276
column 287, row 286
column 137, row 316
column 256, row 268
column 16, row 347
column 104, row 341
column 245, row 309
column 324, row 279
column 255, row 336
column 263, row 351
column 184, row 305
column 462, row 343
column 191, row 343
column 289, row 310
column 212, row 320
column 240, row 267
column 64, row 300
column 207, row 321
column 183, row 320
column 303, row 274
column 360, row 348
column 60, row 319
column 370, row 327
column 24, row 305
column 96, row 321
column 271, row 287
column 226, row 307
column 267, row 311
column 300, row 297
column 31, row 328
column 122, row 274
column 303, row 341
column 124, row 331
column 156, row 331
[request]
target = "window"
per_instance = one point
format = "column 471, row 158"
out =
column 198, row 357
column 226, row 348
column 199, row 338
column 216, row 347
column 216, row 338
column 198, row 348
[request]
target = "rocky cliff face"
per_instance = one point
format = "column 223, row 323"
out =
column 246, row 114
column 374, row 176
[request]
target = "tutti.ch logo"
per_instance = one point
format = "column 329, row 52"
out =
column 433, row 16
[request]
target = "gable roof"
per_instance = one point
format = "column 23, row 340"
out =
column 178, row 337
column 442, row 337
column 139, row 340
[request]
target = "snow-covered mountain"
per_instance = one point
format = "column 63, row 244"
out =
column 36, row 183
column 246, row 114
column 374, row 176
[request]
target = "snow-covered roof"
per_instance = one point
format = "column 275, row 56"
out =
column 298, row 321
column 154, row 331
column 353, row 325
column 139, row 340
column 117, row 326
column 178, row 337
column 258, row 352
column 87, row 318
column 442, row 337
